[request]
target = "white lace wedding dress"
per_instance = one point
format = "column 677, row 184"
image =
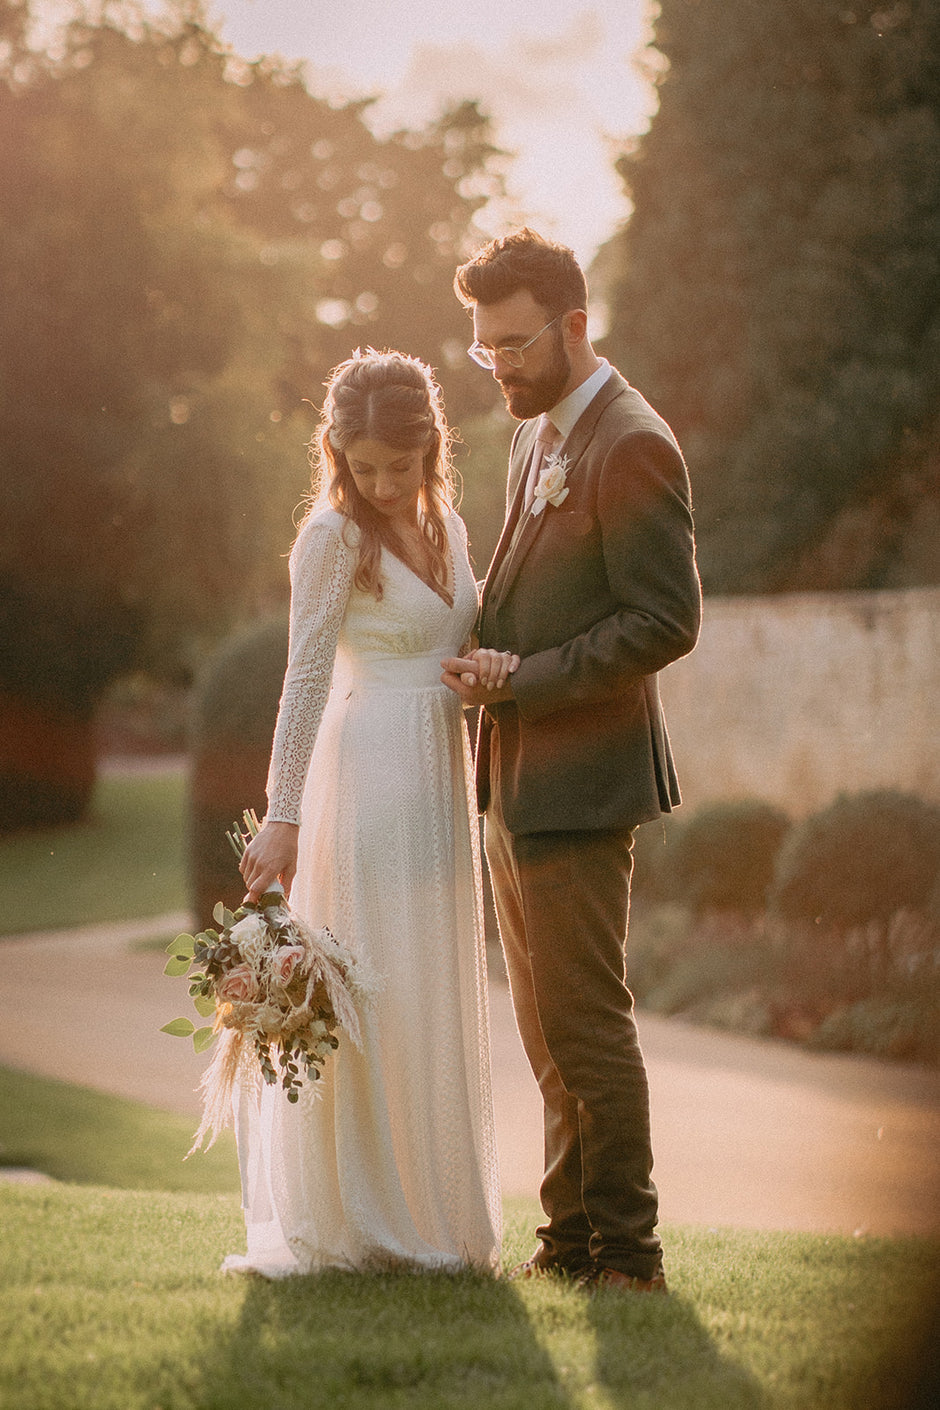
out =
column 393, row 1159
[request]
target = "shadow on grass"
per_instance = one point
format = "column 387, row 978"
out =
column 352, row 1340
column 356, row 1340
column 654, row 1352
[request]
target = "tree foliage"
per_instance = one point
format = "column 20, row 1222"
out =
column 189, row 243
column 777, row 289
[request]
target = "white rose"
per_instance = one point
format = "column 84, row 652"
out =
column 551, row 488
column 250, row 935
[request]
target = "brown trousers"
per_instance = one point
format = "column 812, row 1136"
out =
column 562, row 901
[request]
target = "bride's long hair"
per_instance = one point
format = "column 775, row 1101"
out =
column 392, row 398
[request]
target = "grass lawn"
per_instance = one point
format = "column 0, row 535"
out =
column 110, row 1300
column 126, row 861
column 76, row 1134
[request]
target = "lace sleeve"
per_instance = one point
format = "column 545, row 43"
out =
column 321, row 573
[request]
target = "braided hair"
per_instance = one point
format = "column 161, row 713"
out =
column 392, row 398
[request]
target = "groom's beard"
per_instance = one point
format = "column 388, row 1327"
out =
column 528, row 397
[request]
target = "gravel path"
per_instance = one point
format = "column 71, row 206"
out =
column 749, row 1134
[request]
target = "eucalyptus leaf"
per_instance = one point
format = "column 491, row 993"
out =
column 228, row 920
column 178, row 964
column 182, row 945
column 203, row 1038
column 179, row 1028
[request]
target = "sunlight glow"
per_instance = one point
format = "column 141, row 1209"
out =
column 563, row 85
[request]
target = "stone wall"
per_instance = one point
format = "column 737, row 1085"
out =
column 801, row 697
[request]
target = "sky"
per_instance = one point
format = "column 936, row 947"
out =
column 558, row 78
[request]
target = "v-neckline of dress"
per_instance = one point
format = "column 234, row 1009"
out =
column 452, row 564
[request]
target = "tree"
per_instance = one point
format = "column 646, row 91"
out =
column 173, row 272
column 777, row 292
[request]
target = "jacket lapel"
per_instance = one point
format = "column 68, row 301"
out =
column 576, row 444
column 509, row 555
column 520, row 455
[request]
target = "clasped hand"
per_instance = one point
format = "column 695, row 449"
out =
column 482, row 676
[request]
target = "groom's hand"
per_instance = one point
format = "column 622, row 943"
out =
column 483, row 679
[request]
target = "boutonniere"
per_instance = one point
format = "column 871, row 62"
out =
column 551, row 487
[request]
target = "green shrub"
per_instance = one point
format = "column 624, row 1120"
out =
column 895, row 1027
column 654, row 846
column 234, row 713
column 723, row 858
column 679, row 965
column 864, row 858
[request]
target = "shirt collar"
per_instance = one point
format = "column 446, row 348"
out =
column 565, row 415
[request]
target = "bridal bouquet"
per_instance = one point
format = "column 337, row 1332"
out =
column 277, row 990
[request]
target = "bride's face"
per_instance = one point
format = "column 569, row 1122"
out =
column 388, row 479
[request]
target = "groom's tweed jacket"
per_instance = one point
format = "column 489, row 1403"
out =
column 596, row 596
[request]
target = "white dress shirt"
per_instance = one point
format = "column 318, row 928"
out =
column 566, row 413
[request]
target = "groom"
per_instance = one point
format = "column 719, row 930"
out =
column 594, row 586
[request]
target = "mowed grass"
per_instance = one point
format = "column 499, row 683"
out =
column 110, row 1299
column 126, row 861
column 76, row 1134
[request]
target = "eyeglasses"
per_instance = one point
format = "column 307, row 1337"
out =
column 486, row 357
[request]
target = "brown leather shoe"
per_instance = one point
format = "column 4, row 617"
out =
column 532, row 1268
column 542, row 1265
column 612, row 1280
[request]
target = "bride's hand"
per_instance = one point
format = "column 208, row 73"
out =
column 270, row 857
column 493, row 668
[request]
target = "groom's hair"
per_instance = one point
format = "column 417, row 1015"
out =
column 523, row 260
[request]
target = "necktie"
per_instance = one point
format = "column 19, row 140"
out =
column 547, row 439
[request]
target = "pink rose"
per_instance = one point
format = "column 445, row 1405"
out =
column 284, row 962
column 238, row 986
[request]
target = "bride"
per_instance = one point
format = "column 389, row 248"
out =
column 390, row 1159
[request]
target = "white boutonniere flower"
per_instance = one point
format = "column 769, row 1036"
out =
column 551, row 487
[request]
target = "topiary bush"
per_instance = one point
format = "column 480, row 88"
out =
column 862, row 859
column 234, row 713
column 723, row 857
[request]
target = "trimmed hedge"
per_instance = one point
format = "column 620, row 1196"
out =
column 845, row 953
column 234, row 713
column 864, row 858
column 723, row 858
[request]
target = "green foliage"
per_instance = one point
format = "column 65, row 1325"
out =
column 776, row 292
column 825, row 932
column 864, row 858
column 480, row 460
column 719, row 972
column 237, row 692
column 189, row 243
column 901, row 1027
column 654, row 846
column 874, row 991
column 719, row 858
column 234, row 713
column 723, row 858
